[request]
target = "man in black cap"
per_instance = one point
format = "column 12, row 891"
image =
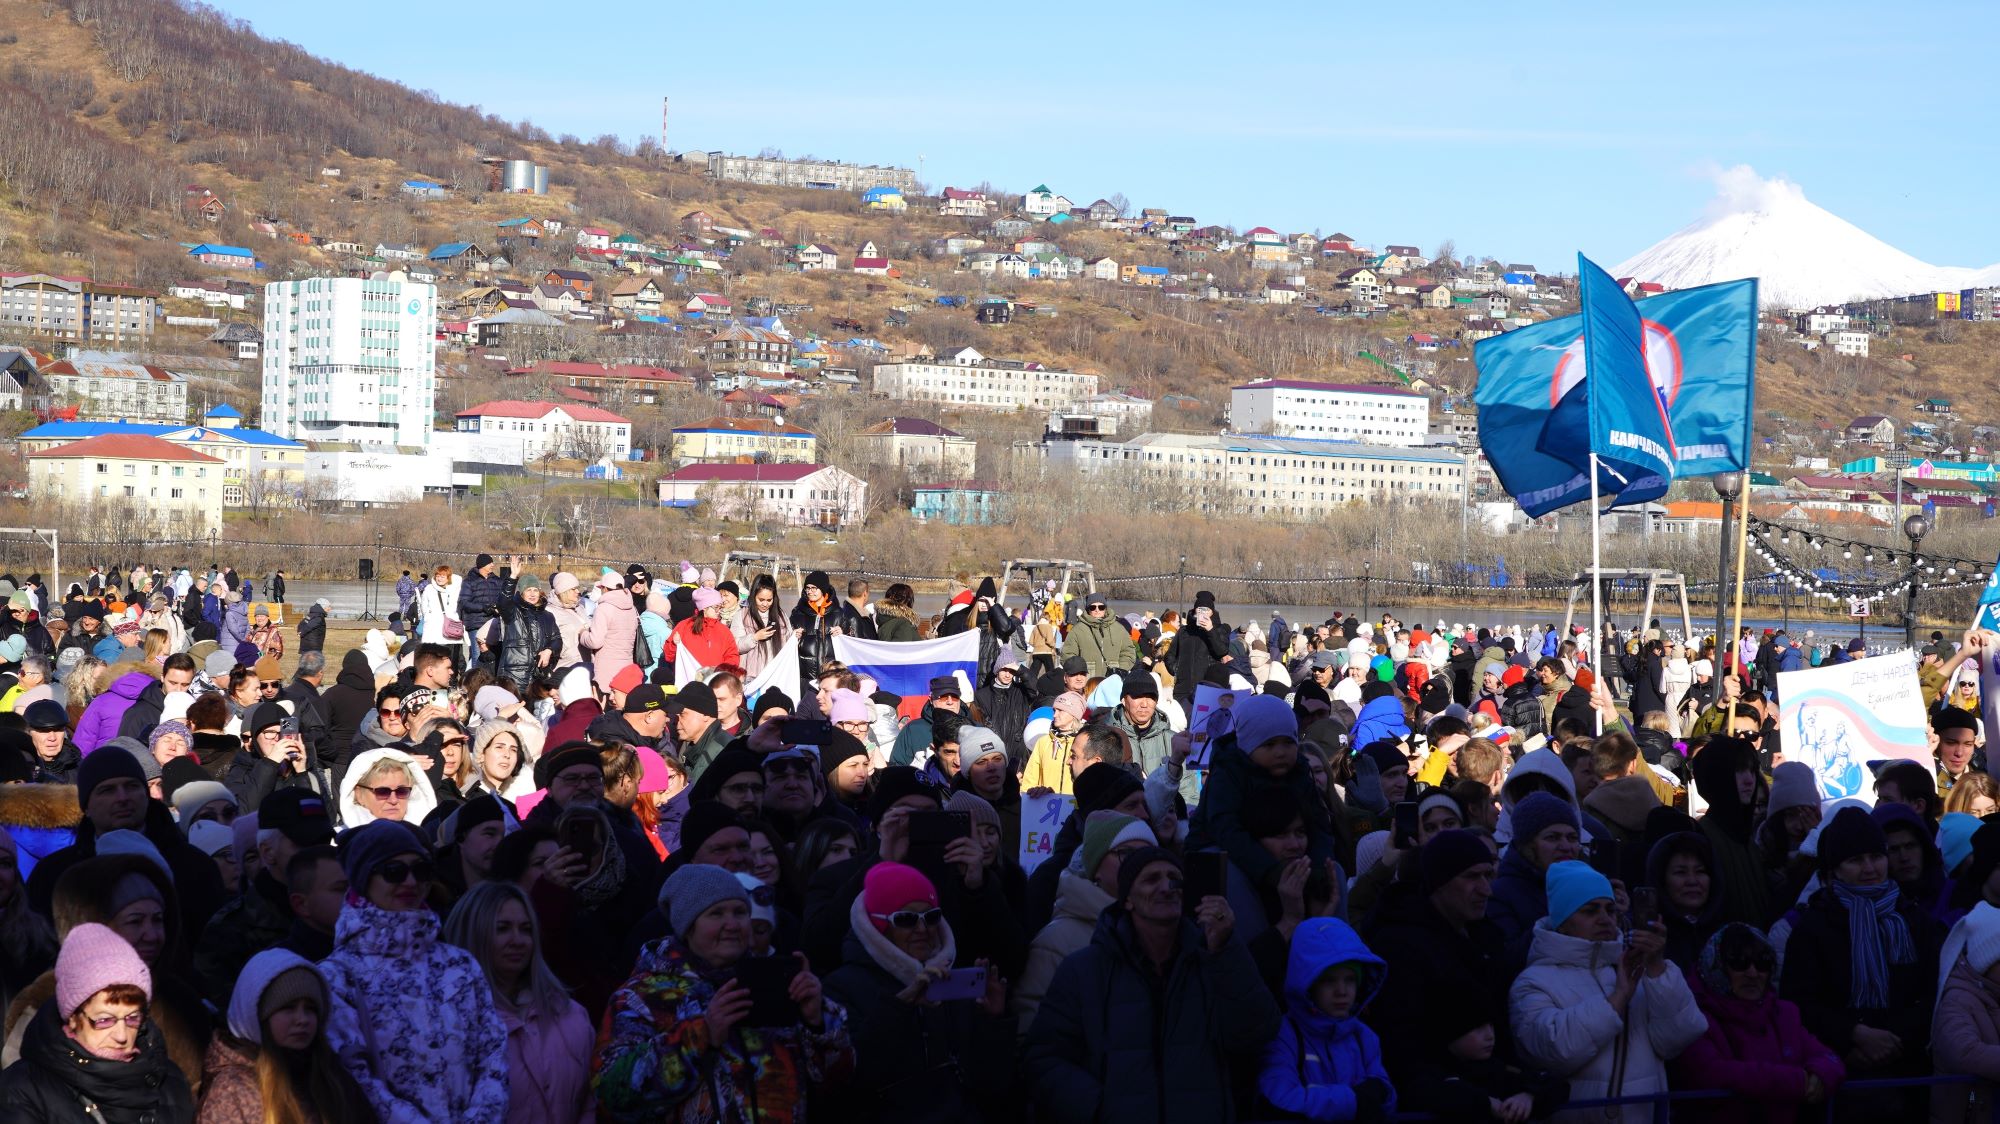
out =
column 1102, row 640
column 56, row 757
column 111, row 790
column 1073, row 674
column 641, row 721
column 1441, row 950
column 573, row 774
column 1196, row 978
column 697, row 729
column 260, row 916
column 915, row 738
column 278, row 757
column 1138, row 717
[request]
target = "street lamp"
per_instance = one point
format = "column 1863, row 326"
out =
column 1728, row 485
column 1367, row 568
column 1915, row 527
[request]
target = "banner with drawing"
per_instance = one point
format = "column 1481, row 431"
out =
column 1041, row 818
column 1209, row 720
column 1840, row 717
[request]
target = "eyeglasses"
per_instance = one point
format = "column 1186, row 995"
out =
column 580, row 780
column 390, row 711
column 397, row 872
column 910, row 919
column 1764, row 964
column 269, row 686
column 400, row 792
column 135, row 1020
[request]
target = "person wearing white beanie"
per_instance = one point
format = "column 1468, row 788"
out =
column 278, row 1006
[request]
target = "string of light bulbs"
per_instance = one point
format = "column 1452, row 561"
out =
column 1921, row 570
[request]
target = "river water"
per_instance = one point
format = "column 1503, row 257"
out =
column 351, row 598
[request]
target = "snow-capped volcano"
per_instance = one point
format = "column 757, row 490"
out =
column 1803, row 254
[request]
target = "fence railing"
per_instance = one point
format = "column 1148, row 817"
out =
column 1662, row 1104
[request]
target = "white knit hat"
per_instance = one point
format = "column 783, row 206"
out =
column 1977, row 936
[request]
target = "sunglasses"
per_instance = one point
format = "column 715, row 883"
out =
column 390, row 711
column 269, row 686
column 1764, row 964
column 400, row 792
column 788, row 768
column 397, row 872
column 910, row 919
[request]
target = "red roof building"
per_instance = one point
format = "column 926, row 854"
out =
column 126, row 447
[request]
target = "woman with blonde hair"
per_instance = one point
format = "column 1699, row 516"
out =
column 549, row 1036
column 1975, row 793
column 84, row 682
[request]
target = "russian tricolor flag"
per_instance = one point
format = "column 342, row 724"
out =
column 908, row 668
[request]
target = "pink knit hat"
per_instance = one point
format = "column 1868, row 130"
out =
column 889, row 887
column 564, row 582
column 706, row 598
column 653, row 775
column 849, row 706
column 94, row 957
column 1070, row 703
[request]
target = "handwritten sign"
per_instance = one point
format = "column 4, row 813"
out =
column 1209, row 720
column 1041, row 818
column 1839, row 717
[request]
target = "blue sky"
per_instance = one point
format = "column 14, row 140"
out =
column 1526, row 132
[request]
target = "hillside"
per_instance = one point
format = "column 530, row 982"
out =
column 120, row 105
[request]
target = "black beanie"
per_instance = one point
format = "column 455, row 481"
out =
column 486, row 808
column 733, row 759
column 1132, row 865
column 1448, row 855
column 562, row 757
column 772, row 699
column 1851, row 832
column 1103, row 785
column 896, row 782
column 107, row 764
column 703, row 820
column 180, row 771
column 1204, row 599
column 839, row 746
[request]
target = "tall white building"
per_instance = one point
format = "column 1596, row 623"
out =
column 968, row 379
column 350, row 359
column 1372, row 415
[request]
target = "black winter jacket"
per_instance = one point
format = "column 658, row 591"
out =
column 55, row 1081
column 346, row 704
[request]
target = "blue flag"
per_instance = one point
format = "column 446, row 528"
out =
column 1700, row 352
column 1629, row 427
column 1566, row 434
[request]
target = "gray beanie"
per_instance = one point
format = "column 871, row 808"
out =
column 693, row 889
column 138, row 749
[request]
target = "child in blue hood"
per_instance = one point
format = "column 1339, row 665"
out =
column 1325, row 1064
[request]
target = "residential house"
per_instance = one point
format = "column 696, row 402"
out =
column 1847, row 341
column 593, row 238
column 628, row 381
column 639, row 296
column 1364, row 285
column 1267, row 246
column 177, row 490
column 1304, row 245
column 1401, row 259
column 20, row 386
column 1009, row 229
column 1101, row 269
column 529, row 230
column 803, row 495
column 697, row 224
column 513, row 325
column 869, row 263
column 228, row 257
column 888, row 199
column 1496, row 305
column 1939, row 406
column 1102, row 212
column 568, row 430
column 1517, row 283
column 202, row 203
column 398, row 251
column 458, row 255
column 1820, row 321
column 1043, row 202
column 815, row 258
column 922, row 447
column 76, row 308
column 1434, row 296
column 1149, row 275
column 575, row 280
column 741, row 347
column 1281, row 292
column 423, row 189
column 752, row 440
column 965, row 378
column 1049, row 267
column 332, row 246
column 629, row 245
column 961, row 503
column 959, row 244
column 110, row 389
column 708, row 305
column 957, row 203
column 557, row 300
column 237, row 340
column 1873, row 429
column 1479, row 328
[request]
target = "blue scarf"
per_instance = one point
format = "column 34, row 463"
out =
column 1880, row 937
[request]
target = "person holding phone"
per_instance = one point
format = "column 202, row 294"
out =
column 677, row 1044
column 1680, row 891
column 919, row 1057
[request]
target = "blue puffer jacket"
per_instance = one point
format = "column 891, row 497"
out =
column 1113, row 1040
column 1379, row 718
column 1312, row 1066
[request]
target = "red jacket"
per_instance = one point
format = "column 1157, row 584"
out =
column 1759, row 1051
column 575, row 722
column 713, row 647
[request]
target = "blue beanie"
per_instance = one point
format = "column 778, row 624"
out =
column 1954, row 837
column 1539, row 812
column 1260, row 718
column 1570, row 885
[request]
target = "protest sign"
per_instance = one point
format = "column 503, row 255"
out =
column 1840, row 717
column 1208, row 721
column 1041, row 818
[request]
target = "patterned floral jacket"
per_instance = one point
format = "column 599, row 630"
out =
column 656, row 1062
column 413, row 1019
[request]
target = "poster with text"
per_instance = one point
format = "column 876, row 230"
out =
column 1209, row 720
column 1041, row 818
column 1840, row 717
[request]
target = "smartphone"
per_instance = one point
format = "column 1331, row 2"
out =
column 1207, row 876
column 1405, row 825
column 579, row 834
column 769, row 981
column 805, row 731
column 939, row 829
column 963, row 983
column 1645, row 906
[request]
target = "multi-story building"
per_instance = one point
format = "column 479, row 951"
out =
column 807, row 495
column 968, row 379
column 763, row 440
column 170, row 488
column 1372, row 415
column 76, row 308
column 926, row 448
column 743, row 347
column 112, row 389
column 258, row 469
column 350, row 359
column 567, row 429
column 1283, row 478
column 825, row 174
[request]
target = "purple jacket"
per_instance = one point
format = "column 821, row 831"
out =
column 1759, row 1051
column 100, row 720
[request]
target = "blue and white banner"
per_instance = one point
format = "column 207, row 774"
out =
column 908, row 668
column 782, row 672
column 1988, row 616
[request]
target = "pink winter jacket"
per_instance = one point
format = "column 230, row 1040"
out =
column 548, row 1067
column 608, row 640
column 1759, row 1051
column 1965, row 1038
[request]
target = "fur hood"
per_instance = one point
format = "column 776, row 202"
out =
column 39, row 805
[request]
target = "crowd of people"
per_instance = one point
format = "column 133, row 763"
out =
column 505, row 863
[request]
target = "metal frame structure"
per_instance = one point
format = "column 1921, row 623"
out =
column 749, row 563
column 1657, row 581
column 1030, row 570
column 52, row 538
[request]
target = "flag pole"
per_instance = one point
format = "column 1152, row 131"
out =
column 1742, row 540
column 1596, row 648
